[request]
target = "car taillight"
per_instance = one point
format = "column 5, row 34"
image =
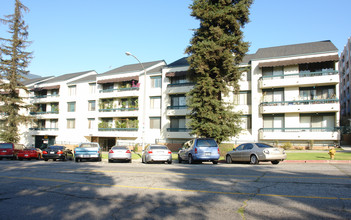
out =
column 195, row 150
column 111, row 151
column 128, row 151
column 59, row 152
column 218, row 150
column 44, row 152
column 150, row 151
column 169, row 152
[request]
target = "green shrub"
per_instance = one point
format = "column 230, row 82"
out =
column 287, row 146
column 224, row 148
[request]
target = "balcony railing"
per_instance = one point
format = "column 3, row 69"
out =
column 118, row 90
column 300, row 74
column 180, row 84
column 42, row 113
column 321, row 129
column 118, row 109
column 177, row 107
column 43, row 129
column 118, row 129
column 44, row 96
column 178, row 129
column 300, row 102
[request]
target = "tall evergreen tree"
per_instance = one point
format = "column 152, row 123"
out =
column 216, row 50
column 13, row 63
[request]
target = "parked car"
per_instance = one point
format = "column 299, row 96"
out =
column 199, row 150
column 9, row 150
column 157, row 153
column 256, row 152
column 57, row 153
column 119, row 153
column 88, row 151
column 28, row 153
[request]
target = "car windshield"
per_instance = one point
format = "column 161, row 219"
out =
column 260, row 145
column 119, row 148
column 158, row 148
column 206, row 143
column 5, row 146
column 88, row 145
column 55, row 148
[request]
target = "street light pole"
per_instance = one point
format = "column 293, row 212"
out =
column 144, row 99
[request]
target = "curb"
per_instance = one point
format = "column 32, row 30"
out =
column 317, row 161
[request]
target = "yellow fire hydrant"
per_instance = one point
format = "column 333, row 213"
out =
column 332, row 152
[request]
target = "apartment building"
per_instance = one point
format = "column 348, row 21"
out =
column 345, row 76
column 287, row 93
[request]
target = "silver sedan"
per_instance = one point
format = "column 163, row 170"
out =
column 157, row 153
column 255, row 152
column 119, row 153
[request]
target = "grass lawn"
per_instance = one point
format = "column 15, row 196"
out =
column 317, row 156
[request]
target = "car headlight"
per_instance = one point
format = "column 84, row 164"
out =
column 266, row 151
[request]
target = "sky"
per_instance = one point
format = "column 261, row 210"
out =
column 71, row 36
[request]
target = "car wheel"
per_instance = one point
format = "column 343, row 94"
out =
column 169, row 162
column 275, row 162
column 77, row 160
column 130, row 161
column 46, row 159
column 38, row 158
column 179, row 159
column 54, row 159
column 64, row 158
column 215, row 161
column 253, row 159
column 190, row 159
column 228, row 159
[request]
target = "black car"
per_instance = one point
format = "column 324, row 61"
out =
column 57, row 152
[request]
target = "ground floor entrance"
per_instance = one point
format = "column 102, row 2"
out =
column 42, row 141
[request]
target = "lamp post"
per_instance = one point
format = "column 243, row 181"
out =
column 144, row 99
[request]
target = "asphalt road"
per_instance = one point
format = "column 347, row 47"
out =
column 99, row 190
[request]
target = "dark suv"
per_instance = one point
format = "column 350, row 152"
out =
column 198, row 150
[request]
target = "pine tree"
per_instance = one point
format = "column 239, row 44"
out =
column 13, row 63
column 216, row 50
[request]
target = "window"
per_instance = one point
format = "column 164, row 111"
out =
column 273, row 95
column 273, row 121
column 71, row 106
column 91, row 123
column 179, row 80
column 54, row 92
column 107, row 86
column 178, row 123
column 246, row 122
column 317, row 120
column 71, row 123
column 155, row 122
column 178, row 100
column 91, row 105
column 155, row 102
column 53, row 123
column 54, row 107
column 92, row 88
column 317, row 67
column 273, row 71
column 243, row 98
column 317, row 93
column 156, row 81
column 72, row 90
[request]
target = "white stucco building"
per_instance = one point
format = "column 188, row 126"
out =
column 289, row 93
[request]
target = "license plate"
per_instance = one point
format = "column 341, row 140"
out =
column 208, row 154
column 85, row 156
column 26, row 155
column 4, row 151
column 52, row 152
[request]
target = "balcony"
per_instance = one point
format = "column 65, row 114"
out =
column 121, row 112
column 299, row 79
column 323, row 133
column 179, row 88
column 118, row 132
column 303, row 106
column 44, row 98
column 177, row 110
column 43, row 131
column 121, row 92
column 179, row 133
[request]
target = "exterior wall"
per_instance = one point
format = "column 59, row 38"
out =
column 345, row 77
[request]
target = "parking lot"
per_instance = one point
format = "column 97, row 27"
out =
column 101, row 190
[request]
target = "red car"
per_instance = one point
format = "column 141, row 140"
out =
column 28, row 153
column 9, row 150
